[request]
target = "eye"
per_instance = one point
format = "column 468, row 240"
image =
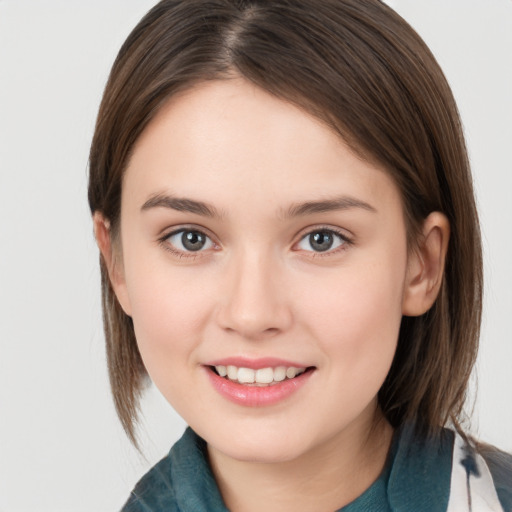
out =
column 322, row 240
column 189, row 240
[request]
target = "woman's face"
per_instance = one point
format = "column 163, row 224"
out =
column 255, row 241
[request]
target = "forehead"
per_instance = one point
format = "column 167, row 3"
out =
column 230, row 139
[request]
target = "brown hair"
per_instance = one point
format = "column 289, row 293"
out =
column 359, row 67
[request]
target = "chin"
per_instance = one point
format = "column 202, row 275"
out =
column 259, row 447
column 261, row 455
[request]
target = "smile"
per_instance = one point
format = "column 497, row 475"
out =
column 260, row 383
column 261, row 377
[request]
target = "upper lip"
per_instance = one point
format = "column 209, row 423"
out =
column 255, row 364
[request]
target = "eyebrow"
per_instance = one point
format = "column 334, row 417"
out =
column 180, row 204
column 183, row 204
column 327, row 205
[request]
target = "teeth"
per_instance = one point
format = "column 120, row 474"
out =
column 264, row 376
column 246, row 375
column 280, row 373
column 232, row 372
column 291, row 372
column 261, row 376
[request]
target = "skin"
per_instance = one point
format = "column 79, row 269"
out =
column 259, row 289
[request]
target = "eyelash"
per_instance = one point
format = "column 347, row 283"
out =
column 345, row 241
column 164, row 242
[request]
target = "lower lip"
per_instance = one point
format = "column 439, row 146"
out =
column 257, row 396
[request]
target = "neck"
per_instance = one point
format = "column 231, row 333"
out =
column 327, row 477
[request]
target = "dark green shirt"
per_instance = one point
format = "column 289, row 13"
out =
column 416, row 479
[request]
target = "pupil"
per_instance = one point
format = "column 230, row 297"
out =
column 321, row 241
column 192, row 240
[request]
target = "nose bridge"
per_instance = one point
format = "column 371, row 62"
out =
column 256, row 303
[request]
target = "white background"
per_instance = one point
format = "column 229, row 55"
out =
column 61, row 447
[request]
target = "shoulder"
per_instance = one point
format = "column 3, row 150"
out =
column 451, row 472
column 154, row 491
column 157, row 489
column 500, row 466
column 182, row 481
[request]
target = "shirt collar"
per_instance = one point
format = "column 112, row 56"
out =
column 421, row 470
column 416, row 477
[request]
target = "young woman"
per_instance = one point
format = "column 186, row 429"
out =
column 283, row 204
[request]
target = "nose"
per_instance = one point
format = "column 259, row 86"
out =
column 255, row 303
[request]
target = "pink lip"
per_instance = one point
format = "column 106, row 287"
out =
column 255, row 364
column 256, row 396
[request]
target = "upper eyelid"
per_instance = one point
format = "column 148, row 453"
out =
column 300, row 235
column 343, row 233
column 167, row 232
column 163, row 240
column 347, row 241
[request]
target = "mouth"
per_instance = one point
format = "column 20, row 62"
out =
column 262, row 377
column 258, row 382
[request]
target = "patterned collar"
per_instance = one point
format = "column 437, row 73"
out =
column 417, row 477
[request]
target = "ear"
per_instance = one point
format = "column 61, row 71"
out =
column 425, row 266
column 112, row 259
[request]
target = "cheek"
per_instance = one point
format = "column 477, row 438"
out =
column 169, row 311
column 357, row 317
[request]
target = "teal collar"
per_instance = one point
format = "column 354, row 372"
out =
column 421, row 473
column 416, row 477
column 196, row 489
